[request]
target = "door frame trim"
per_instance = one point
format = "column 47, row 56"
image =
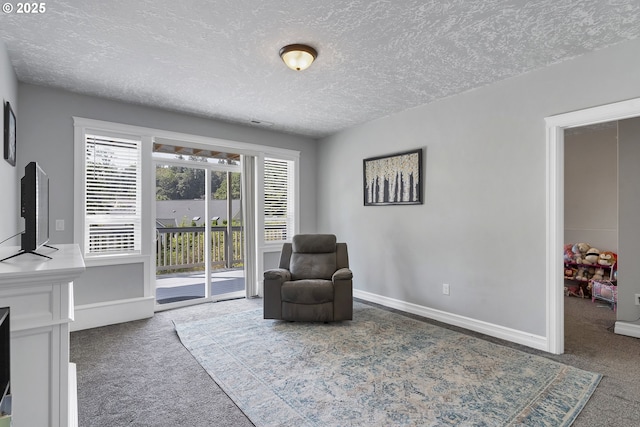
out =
column 555, row 126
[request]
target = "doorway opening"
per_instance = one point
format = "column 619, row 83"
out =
column 199, row 227
column 590, row 224
column 556, row 126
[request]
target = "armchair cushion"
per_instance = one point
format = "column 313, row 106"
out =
column 314, row 243
column 312, row 266
column 307, row 291
column 313, row 256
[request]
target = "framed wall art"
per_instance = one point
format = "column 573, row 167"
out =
column 394, row 179
column 9, row 134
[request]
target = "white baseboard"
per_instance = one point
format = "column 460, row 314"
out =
column 530, row 340
column 111, row 312
column 628, row 329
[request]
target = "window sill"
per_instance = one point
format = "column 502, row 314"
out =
column 97, row 261
column 272, row 247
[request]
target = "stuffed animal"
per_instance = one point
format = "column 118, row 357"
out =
column 570, row 273
column 592, row 256
column 598, row 274
column 568, row 253
column 579, row 250
column 573, row 290
column 607, row 258
column 581, row 274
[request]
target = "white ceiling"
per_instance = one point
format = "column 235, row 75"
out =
column 219, row 59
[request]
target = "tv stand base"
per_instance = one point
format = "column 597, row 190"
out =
column 22, row 252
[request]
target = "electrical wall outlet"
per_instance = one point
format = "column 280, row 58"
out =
column 59, row 224
column 637, row 299
column 445, row 288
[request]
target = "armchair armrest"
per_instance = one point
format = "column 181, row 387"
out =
column 343, row 294
column 342, row 274
column 277, row 274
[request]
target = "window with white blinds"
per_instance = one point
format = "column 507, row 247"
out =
column 112, row 175
column 279, row 206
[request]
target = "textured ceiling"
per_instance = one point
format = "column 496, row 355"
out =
column 219, row 59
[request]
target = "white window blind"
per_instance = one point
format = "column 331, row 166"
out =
column 278, row 200
column 112, row 195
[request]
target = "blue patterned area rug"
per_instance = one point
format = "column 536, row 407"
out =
column 381, row 369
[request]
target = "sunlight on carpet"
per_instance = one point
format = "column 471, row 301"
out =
column 382, row 368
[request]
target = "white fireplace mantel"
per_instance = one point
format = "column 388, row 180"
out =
column 39, row 293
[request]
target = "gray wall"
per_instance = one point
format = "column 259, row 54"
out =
column 9, row 176
column 108, row 283
column 46, row 129
column 482, row 226
column 47, row 132
column 629, row 237
column 591, row 186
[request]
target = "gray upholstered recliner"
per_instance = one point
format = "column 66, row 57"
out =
column 313, row 283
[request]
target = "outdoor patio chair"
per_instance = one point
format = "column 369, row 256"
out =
column 313, row 282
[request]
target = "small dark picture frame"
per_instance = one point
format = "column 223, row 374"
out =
column 394, row 179
column 9, row 134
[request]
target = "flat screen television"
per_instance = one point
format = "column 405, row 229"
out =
column 34, row 208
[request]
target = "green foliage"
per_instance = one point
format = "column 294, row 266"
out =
column 221, row 192
column 179, row 183
column 187, row 183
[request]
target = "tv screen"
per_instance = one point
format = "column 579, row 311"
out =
column 34, row 207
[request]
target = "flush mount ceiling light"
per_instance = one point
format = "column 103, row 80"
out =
column 298, row 57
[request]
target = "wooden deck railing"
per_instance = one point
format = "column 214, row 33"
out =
column 182, row 248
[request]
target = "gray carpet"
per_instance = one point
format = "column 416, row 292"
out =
column 139, row 374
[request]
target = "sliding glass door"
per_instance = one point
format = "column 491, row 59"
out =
column 199, row 229
column 180, row 233
column 227, row 264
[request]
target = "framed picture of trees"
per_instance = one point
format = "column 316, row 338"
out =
column 394, row 179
